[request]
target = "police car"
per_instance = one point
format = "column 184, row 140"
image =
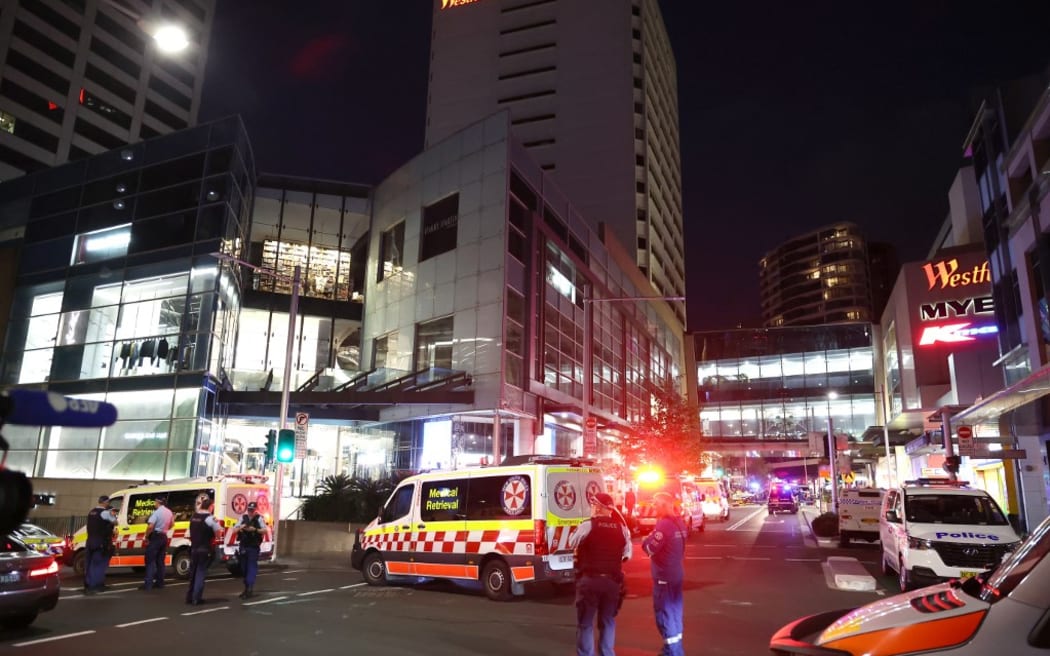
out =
column 934, row 529
column 1006, row 611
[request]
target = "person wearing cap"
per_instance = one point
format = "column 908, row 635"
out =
column 250, row 532
column 100, row 522
column 157, row 527
column 602, row 544
column 666, row 549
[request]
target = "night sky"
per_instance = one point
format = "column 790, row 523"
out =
column 792, row 116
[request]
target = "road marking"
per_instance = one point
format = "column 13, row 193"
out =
column 740, row 522
column 803, row 560
column 152, row 619
column 352, row 585
column 264, row 601
column 313, row 592
column 750, row 557
column 52, row 638
column 294, row 571
column 206, row 610
column 704, row 557
column 729, row 546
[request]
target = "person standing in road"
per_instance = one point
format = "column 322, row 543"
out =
column 251, row 532
column 100, row 522
column 203, row 529
column 602, row 544
column 157, row 527
column 666, row 549
column 629, row 501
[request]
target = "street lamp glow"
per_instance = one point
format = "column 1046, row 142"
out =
column 833, row 395
column 171, row 38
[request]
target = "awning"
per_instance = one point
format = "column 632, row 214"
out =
column 1021, row 393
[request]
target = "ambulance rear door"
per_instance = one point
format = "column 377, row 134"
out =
column 569, row 490
column 234, row 504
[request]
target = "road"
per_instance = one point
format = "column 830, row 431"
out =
column 745, row 579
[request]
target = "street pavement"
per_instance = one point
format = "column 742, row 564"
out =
column 745, row 579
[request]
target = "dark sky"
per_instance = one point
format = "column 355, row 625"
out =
column 793, row 114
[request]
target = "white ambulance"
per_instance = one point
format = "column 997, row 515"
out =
column 232, row 494
column 504, row 526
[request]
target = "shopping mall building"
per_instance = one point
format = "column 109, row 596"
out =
column 443, row 316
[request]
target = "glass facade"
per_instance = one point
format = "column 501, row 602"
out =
column 779, row 384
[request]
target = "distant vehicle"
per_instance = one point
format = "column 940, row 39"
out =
column 859, row 515
column 28, row 583
column 688, row 498
column 41, row 540
column 782, row 498
column 714, row 497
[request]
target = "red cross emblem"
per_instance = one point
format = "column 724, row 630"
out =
column 565, row 495
column 592, row 489
column 514, row 492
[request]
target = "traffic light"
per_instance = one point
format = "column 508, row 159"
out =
column 271, row 448
column 286, row 445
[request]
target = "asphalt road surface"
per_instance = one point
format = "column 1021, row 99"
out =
column 745, row 578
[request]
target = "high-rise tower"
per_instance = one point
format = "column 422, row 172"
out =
column 591, row 88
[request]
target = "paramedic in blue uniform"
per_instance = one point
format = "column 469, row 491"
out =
column 666, row 549
column 158, row 525
column 203, row 529
column 251, row 532
column 602, row 544
column 100, row 522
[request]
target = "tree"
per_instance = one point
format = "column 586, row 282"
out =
column 669, row 438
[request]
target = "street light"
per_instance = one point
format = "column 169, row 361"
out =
column 831, row 456
column 286, row 378
column 170, row 38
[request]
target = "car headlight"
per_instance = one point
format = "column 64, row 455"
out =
column 919, row 543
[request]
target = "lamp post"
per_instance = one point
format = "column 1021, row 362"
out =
column 831, row 456
column 286, row 377
column 588, row 346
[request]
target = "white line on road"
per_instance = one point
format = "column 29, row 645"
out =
column 726, row 546
column 52, row 638
column 206, row 610
column 740, row 522
column 293, row 571
column 703, row 557
column 352, row 585
column 803, row 560
column 152, row 619
column 750, row 557
column 264, row 601
column 313, row 592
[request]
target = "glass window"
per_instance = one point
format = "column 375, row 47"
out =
column 68, row 464
column 399, row 505
column 22, row 437
column 500, row 497
column 391, row 251
column 443, row 501
column 434, row 344
column 179, row 464
column 65, row 437
column 133, row 465
column 183, row 503
column 137, row 435
column 381, row 350
column 101, row 244
column 140, row 507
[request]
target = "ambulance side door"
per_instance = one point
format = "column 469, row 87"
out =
column 395, row 524
column 440, row 530
column 131, row 530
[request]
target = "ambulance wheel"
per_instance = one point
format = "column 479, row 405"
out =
column 903, row 579
column 80, row 562
column 180, row 562
column 496, row 579
column 374, row 570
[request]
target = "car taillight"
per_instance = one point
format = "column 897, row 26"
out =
column 539, row 528
column 52, row 568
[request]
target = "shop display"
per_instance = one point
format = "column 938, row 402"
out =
column 325, row 271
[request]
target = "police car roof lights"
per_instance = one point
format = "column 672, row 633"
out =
column 930, row 482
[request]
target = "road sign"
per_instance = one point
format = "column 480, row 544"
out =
column 302, row 423
column 966, row 446
column 849, row 478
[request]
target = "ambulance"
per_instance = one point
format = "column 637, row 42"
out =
column 1006, row 611
column 232, row 494
column 505, row 526
column 688, row 497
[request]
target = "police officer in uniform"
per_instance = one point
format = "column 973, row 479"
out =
column 666, row 549
column 157, row 527
column 251, row 532
column 100, row 522
column 602, row 543
column 203, row 529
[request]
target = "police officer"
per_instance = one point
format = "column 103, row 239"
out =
column 100, row 522
column 251, row 532
column 666, row 549
column 203, row 529
column 602, row 543
column 157, row 527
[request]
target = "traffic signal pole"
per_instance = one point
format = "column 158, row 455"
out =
column 286, row 381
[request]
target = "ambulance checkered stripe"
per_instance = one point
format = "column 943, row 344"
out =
column 139, row 541
column 509, row 542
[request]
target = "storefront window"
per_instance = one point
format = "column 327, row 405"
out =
column 102, row 244
column 434, row 344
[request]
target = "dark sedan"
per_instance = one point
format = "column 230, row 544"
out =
column 28, row 583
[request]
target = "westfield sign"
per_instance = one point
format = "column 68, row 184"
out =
column 946, row 275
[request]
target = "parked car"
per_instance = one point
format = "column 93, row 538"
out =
column 1002, row 612
column 782, row 498
column 28, row 583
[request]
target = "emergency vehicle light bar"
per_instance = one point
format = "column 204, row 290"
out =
column 937, row 481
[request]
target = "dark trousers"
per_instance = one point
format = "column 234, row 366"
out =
column 156, row 549
column 250, row 562
column 199, row 559
column 95, row 566
column 667, row 606
column 597, row 597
